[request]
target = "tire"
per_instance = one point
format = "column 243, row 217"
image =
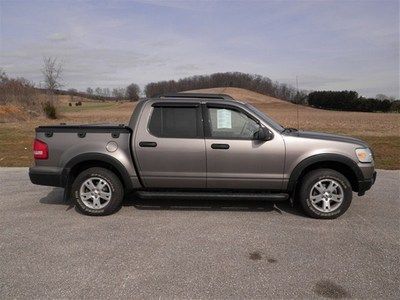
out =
column 97, row 192
column 325, row 194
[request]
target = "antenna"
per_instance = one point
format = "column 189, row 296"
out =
column 297, row 103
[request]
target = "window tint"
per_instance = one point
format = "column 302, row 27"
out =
column 231, row 124
column 175, row 122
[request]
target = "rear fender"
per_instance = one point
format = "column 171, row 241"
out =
column 129, row 182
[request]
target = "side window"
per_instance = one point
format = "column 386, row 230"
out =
column 175, row 122
column 231, row 124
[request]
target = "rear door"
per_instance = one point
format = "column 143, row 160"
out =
column 170, row 146
column 235, row 160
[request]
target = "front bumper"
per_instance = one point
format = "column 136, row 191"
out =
column 46, row 176
column 366, row 184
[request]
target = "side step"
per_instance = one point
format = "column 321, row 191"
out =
column 212, row 195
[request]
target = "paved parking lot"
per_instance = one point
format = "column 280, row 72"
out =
column 196, row 249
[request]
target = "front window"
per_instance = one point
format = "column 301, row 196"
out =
column 228, row 123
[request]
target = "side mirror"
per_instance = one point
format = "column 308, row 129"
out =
column 264, row 134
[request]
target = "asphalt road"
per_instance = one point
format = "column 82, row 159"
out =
column 196, row 249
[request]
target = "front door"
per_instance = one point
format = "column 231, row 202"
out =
column 170, row 148
column 235, row 160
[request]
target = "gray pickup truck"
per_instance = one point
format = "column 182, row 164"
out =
column 201, row 146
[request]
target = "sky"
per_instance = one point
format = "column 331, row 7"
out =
column 328, row 45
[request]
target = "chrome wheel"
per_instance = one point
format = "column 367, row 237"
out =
column 326, row 195
column 95, row 193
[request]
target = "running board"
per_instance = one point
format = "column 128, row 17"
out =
column 212, row 195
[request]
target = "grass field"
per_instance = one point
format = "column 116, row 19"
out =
column 380, row 130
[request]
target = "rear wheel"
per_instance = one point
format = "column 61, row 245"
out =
column 325, row 194
column 97, row 192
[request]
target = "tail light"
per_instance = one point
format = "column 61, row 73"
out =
column 40, row 150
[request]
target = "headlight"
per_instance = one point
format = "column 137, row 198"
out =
column 364, row 155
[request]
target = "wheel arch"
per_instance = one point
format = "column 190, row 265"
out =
column 337, row 162
column 88, row 160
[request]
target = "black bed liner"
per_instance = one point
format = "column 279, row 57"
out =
column 99, row 128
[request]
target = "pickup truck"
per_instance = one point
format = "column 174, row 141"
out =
column 201, row 146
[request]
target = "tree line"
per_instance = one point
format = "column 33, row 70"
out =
column 337, row 100
column 252, row 82
column 351, row 101
column 131, row 92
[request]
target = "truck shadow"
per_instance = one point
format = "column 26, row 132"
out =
column 56, row 197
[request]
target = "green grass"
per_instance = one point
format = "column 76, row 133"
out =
column 87, row 106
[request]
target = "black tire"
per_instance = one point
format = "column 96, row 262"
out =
column 114, row 186
column 313, row 178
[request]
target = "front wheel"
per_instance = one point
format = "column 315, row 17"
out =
column 325, row 194
column 97, row 192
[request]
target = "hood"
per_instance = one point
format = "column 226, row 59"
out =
column 328, row 137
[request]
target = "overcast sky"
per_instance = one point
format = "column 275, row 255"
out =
column 328, row 44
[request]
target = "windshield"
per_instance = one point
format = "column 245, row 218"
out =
column 265, row 118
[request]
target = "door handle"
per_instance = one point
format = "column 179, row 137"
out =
column 148, row 144
column 220, row 146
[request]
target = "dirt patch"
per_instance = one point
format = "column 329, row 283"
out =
column 255, row 255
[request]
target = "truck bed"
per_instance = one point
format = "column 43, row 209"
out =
column 68, row 145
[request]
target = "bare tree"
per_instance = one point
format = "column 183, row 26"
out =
column 89, row 91
column 98, row 91
column 118, row 93
column 52, row 71
column 106, row 92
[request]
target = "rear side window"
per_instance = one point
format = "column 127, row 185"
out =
column 175, row 122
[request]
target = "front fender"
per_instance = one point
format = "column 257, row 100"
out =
column 320, row 158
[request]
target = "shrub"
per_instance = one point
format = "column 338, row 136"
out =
column 395, row 106
column 50, row 110
column 132, row 92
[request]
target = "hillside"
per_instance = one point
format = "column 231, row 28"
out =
column 243, row 94
column 355, row 123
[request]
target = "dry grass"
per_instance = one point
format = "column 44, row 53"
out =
column 380, row 130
